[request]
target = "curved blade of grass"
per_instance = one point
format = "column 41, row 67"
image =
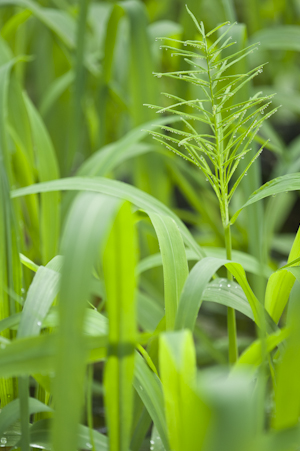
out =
column 112, row 188
column 187, row 416
column 280, row 284
column 249, row 263
column 192, row 294
column 119, row 262
column 231, row 296
column 289, row 182
column 174, row 261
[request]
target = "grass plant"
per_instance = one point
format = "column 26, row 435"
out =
column 117, row 259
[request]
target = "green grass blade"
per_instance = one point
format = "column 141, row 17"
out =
column 47, row 167
column 23, row 385
column 113, row 188
column 187, row 416
column 149, row 388
column 40, row 297
column 11, row 413
column 289, row 182
column 287, row 391
column 174, row 261
column 86, row 227
column 108, row 157
column 252, row 356
column 280, row 284
column 36, row 355
column 285, row 37
column 249, row 263
column 40, row 436
column 119, row 262
column 192, row 294
column 60, row 22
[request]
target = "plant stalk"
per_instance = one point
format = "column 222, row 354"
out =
column 231, row 322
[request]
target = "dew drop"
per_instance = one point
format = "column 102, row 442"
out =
column 228, row 285
column 88, row 445
column 171, row 54
column 22, row 290
column 246, row 174
column 152, row 442
column 3, row 441
column 39, row 323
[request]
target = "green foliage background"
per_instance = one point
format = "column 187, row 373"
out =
column 102, row 345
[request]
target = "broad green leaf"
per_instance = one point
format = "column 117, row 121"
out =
column 187, row 415
column 112, row 188
column 119, row 262
column 289, row 182
column 174, row 261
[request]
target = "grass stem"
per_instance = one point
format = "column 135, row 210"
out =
column 231, row 321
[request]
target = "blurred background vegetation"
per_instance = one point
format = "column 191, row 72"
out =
column 80, row 72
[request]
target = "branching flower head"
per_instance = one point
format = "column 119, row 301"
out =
column 231, row 127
